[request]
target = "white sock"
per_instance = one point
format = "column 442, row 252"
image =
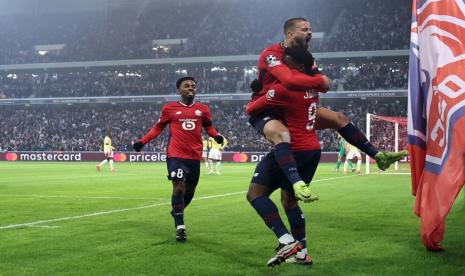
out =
column 346, row 165
column 286, row 238
column 103, row 162
column 180, row 227
column 111, row 164
column 206, row 164
column 210, row 164
column 218, row 166
column 359, row 164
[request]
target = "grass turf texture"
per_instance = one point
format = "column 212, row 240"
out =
column 362, row 225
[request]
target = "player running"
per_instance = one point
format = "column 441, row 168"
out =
column 298, row 32
column 298, row 109
column 108, row 151
column 186, row 119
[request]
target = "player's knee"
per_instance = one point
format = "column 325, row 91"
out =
column 178, row 188
column 289, row 202
column 342, row 120
column 250, row 196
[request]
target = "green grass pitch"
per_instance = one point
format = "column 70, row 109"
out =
column 67, row 219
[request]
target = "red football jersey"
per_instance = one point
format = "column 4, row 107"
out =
column 271, row 70
column 299, row 114
column 186, row 123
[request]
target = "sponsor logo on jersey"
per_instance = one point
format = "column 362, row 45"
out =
column 178, row 113
column 198, row 113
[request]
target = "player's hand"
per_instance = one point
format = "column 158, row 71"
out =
column 219, row 139
column 256, row 86
column 138, row 146
column 326, row 83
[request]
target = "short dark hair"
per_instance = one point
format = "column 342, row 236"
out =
column 300, row 55
column 290, row 23
column 179, row 81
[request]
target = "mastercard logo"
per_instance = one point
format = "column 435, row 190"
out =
column 120, row 157
column 11, row 156
column 240, row 157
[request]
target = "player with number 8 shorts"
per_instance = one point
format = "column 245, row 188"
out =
column 186, row 118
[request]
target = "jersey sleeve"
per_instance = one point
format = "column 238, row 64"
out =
column 158, row 127
column 270, row 59
column 207, row 123
column 295, row 80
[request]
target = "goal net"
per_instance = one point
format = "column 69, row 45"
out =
column 386, row 134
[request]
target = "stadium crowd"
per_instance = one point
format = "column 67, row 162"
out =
column 82, row 127
column 128, row 31
column 211, row 79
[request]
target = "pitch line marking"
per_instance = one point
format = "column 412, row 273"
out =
column 84, row 197
column 106, row 212
column 29, row 224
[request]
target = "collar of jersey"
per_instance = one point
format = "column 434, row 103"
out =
column 186, row 104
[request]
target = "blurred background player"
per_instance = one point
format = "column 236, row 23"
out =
column 352, row 152
column 186, row 119
column 108, row 151
column 216, row 154
column 205, row 149
column 341, row 154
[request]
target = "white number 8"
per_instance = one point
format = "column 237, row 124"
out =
column 180, row 173
column 188, row 125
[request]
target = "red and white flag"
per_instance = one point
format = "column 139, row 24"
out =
column 436, row 112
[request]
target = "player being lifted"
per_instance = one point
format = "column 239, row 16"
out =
column 215, row 154
column 108, row 151
column 186, row 118
column 298, row 109
column 298, row 32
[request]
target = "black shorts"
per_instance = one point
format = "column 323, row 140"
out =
column 258, row 122
column 268, row 172
column 186, row 170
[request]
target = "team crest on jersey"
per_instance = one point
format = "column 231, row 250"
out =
column 270, row 95
column 272, row 61
column 178, row 113
column 198, row 113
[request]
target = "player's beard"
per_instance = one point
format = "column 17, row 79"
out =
column 301, row 42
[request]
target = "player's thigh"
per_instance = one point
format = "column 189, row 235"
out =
column 326, row 118
column 307, row 163
column 350, row 156
column 193, row 174
column 266, row 178
column 177, row 169
column 276, row 132
column 214, row 155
